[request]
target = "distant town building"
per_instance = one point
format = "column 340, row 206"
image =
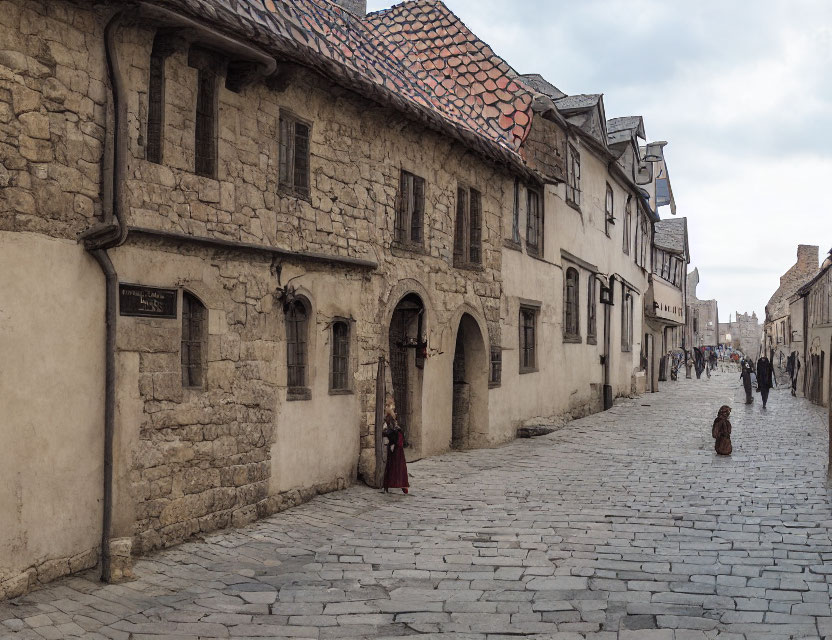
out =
column 810, row 316
column 744, row 333
column 782, row 335
column 702, row 316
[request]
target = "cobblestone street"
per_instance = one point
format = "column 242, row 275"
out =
column 620, row 525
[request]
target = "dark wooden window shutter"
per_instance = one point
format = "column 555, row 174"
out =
column 205, row 132
column 475, row 226
column 460, row 232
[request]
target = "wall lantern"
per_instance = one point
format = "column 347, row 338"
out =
column 608, row 292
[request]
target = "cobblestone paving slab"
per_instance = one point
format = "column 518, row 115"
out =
column 623, row 525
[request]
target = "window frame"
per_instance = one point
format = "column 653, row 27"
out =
column 627, row 322
column 628, row 223
column 515, row 216
column 205, row 123
column 297, row 389
column 191, row 304
column 343, row 358
column 287, row 156
column 592, row 310
column 468, row 228
column 572, row 307
column 533, row 312
column 573, row 176
column 495, row 369
column 609, row 209
column 534, row 248
column 155, row 126
column 410, row 208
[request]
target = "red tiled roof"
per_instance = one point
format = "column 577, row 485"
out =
column 457, row 66
column 462, row 88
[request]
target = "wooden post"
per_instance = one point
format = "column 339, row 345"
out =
column 380, row 398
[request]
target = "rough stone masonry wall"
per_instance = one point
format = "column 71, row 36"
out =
column 52, row 116
column 203, row 460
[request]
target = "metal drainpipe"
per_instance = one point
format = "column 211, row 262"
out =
column 111, row 232
column 607, row 392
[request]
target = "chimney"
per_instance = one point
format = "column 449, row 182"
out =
column 358, row 7
column 807, row 256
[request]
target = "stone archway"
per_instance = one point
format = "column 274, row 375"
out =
column 407, row 360
column 469, row 415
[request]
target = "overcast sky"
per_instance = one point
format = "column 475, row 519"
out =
column 741, row 90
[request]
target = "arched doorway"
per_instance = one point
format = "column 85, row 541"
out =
column 407, row 362
column 469, row 417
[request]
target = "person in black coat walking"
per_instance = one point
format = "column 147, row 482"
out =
column 765, row 378
column 745, row 376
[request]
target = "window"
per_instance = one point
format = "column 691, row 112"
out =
column 496, row 374
column 297, row 331
column 193, row 337
column 155, row 106
column 293, row 160
column 626, row 319
column 515, row 219
column 411, row 211
column 534, row 223
column 592, row 310
column 609, row 210
column 645, row 241
column 205, row 132
column 571, row 330
column 339, row 376
column 468, row 232
column 573, row 177
column 628, row 224
column 528, row 339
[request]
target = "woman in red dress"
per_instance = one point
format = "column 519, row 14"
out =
column 395, row 472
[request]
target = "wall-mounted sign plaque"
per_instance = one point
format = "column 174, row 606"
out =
column 149, row 302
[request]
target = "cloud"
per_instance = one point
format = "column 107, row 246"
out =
column 740, row 90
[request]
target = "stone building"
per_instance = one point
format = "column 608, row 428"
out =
column 744, row 333
column 671, row 256
column 810, row 316
column 252, row 222
column 702, row 323
column 779, row 332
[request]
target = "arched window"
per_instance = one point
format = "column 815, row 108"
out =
column 571, row 329
column 193, row 340
column 297, row 336
column 339, row 379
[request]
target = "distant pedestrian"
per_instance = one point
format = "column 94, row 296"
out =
column 721, row 431
column 745, row 376
column 765, row 378
column 395, row 471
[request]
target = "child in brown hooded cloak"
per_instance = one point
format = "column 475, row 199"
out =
column 722, row 431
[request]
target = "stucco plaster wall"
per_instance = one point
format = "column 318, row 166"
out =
column 570, row 376
column 52, row 433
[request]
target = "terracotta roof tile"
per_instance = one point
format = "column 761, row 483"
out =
column 479, row 76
